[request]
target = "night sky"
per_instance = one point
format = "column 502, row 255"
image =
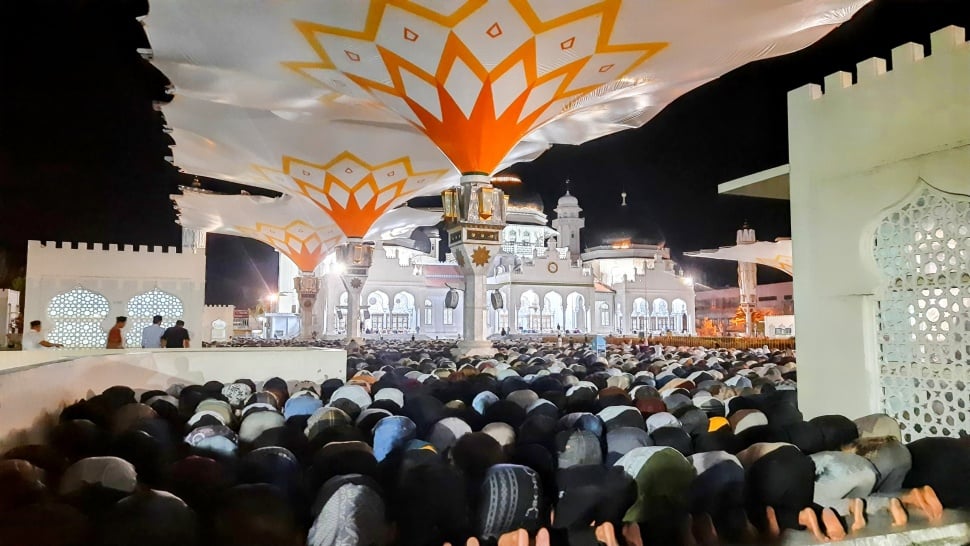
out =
column 81, row 147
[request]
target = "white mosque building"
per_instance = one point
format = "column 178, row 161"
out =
column 564, row 277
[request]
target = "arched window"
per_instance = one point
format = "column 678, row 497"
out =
column 428, row 313
column 679, row 317
column 640, row 317
column 921, row 248
column 143, row 307
column 402, row 312
column 661, row 315
column 77, row 315
column 378, row 306
column 529, row 311
column 604, row 314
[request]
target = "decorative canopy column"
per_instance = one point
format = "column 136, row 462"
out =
column 356, row 258
column 307, row 286
column 474, row 216
column 747, row 280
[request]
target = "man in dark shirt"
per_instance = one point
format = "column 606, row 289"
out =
column 176, row 337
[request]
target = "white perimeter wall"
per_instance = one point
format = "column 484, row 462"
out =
column 855, row 151
column 211, row 313
column 33, row 389
column 116, row 273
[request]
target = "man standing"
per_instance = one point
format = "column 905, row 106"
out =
column 151, row 335
column 115, row 339
column 176, row 337
column 34, row 340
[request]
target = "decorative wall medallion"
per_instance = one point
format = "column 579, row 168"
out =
column 481, row 256
column 553, row 267
column 356, row 283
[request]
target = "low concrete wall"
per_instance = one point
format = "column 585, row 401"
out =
column 36, row 385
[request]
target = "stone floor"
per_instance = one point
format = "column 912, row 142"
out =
column 954, row 530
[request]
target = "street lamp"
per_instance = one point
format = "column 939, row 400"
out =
column 271, row 300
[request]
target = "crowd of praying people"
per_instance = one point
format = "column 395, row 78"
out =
column 540, row 444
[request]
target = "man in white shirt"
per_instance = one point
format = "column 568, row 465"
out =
column 151, row 336
column 33, row 339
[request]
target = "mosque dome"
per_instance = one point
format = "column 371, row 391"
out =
column 525, row 205
column 629, row 223
column 567, row 200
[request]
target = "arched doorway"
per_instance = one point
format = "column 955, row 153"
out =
column 529, row 316
column 640, row 318
column 661, row 315
column 552, row 312
column 576, row 312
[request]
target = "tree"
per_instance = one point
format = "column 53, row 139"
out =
column 707, row 329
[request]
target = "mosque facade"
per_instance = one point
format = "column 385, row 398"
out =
column 550, row 277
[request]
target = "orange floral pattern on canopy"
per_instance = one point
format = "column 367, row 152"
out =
column 302, row 243
column 354, row 193
column 476, row 80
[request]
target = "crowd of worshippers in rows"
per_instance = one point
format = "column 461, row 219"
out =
column 537, row 445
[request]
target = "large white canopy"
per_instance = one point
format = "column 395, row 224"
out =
column 777, row 254
column 289, row 224
column 324, row 98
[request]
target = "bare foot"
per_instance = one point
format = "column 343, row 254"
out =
column 542, row 537
column 915, row 499
column 687, row 537
column 808, row 518
column 704, row 531
column 606, row 534
column 933, row 503
column 750, row 533
column 772, row 531
column 631, row 533
column 898, row 513
column 519, row 537
column 857, row 507
column 834, row 528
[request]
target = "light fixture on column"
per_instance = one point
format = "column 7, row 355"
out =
column 449, row 202
column 486, row 202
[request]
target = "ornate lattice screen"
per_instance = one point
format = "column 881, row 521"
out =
column 77, row 316
column 143, row 307
column 922, row 248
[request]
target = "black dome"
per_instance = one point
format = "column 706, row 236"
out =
column 630, row 223
column 519, row 195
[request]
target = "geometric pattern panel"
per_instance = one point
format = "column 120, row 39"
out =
column 476, row 80
column 77, row 315
column 143, row 307
column 305, row 244
column 351, row 191
column 922, row 248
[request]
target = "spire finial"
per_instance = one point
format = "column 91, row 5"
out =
column 567, row 186
column 623, row 196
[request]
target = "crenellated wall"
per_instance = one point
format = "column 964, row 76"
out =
column 213, row 313
column 117, row 273
column 861, row 152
